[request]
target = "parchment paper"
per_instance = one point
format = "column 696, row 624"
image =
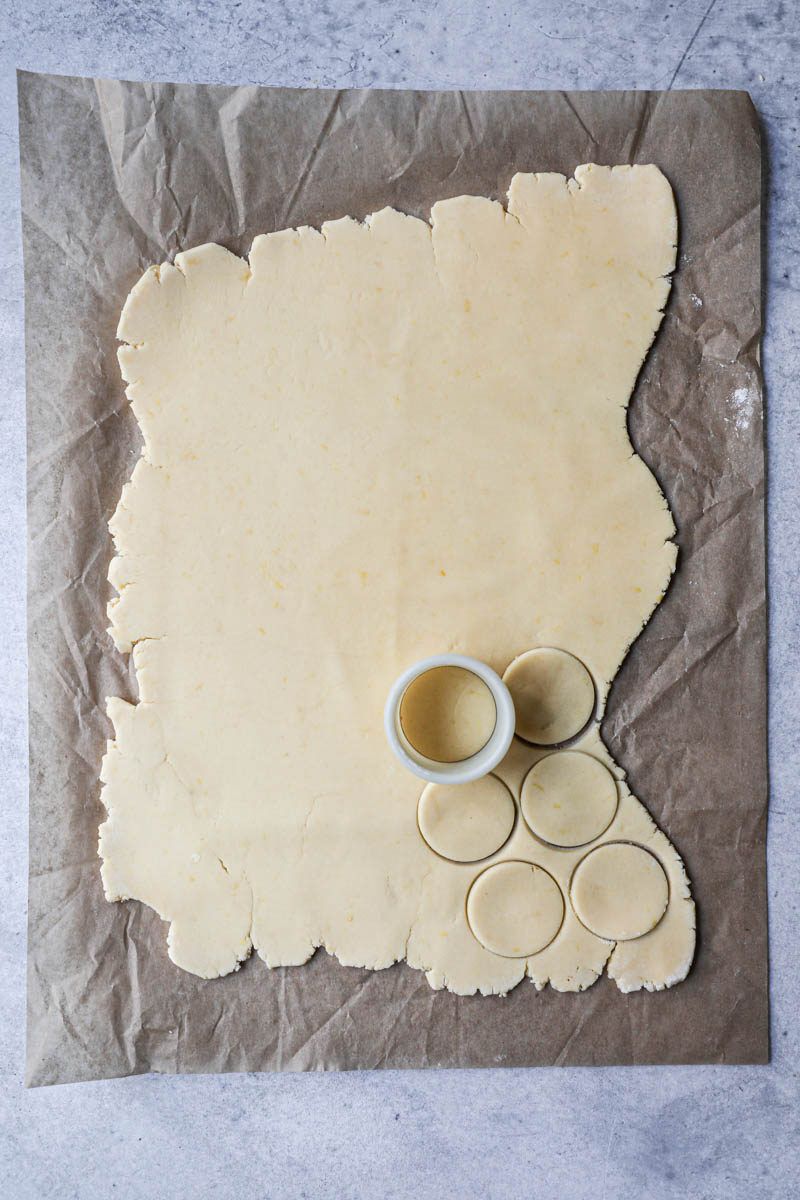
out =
column 116, row 176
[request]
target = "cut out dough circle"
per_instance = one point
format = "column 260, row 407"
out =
column 553, row 694
column 568, row 798
column 619, row 891
column 448, row 714
column 515, row 909
column 364, row 446
column 466, row 821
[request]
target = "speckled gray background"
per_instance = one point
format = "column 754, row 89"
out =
column 651, row 1132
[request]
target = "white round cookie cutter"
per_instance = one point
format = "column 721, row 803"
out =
column 467, row 769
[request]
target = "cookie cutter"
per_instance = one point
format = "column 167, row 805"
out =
column 467, row 769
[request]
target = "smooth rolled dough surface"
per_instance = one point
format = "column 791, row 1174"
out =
column 365, row 445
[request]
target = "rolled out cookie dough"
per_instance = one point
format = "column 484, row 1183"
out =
column 362, row 446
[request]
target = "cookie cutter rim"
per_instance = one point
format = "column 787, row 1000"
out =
column 466, row 769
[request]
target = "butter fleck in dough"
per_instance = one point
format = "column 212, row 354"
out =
column 365, row 445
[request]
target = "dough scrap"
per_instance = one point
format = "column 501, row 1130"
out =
column 365, row 445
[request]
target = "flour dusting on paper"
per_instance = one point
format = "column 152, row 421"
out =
column 743, row 402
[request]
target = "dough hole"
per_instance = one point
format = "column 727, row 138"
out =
column 515, row 909
column 568, row 798
column 619, row 891
column 553, row 694
column 466, row 822
column 448, row 714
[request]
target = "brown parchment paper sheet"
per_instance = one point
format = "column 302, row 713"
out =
column 116, row 176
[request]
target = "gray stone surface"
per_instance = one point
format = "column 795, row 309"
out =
column 655, row 1132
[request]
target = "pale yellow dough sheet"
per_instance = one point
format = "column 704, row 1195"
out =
column 369, row 444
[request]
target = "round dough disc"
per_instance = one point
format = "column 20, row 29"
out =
column 619, row 891
column 448, row 714
column 466, row 821
column 569, row 798
column 515, row 909
column 553, row 695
